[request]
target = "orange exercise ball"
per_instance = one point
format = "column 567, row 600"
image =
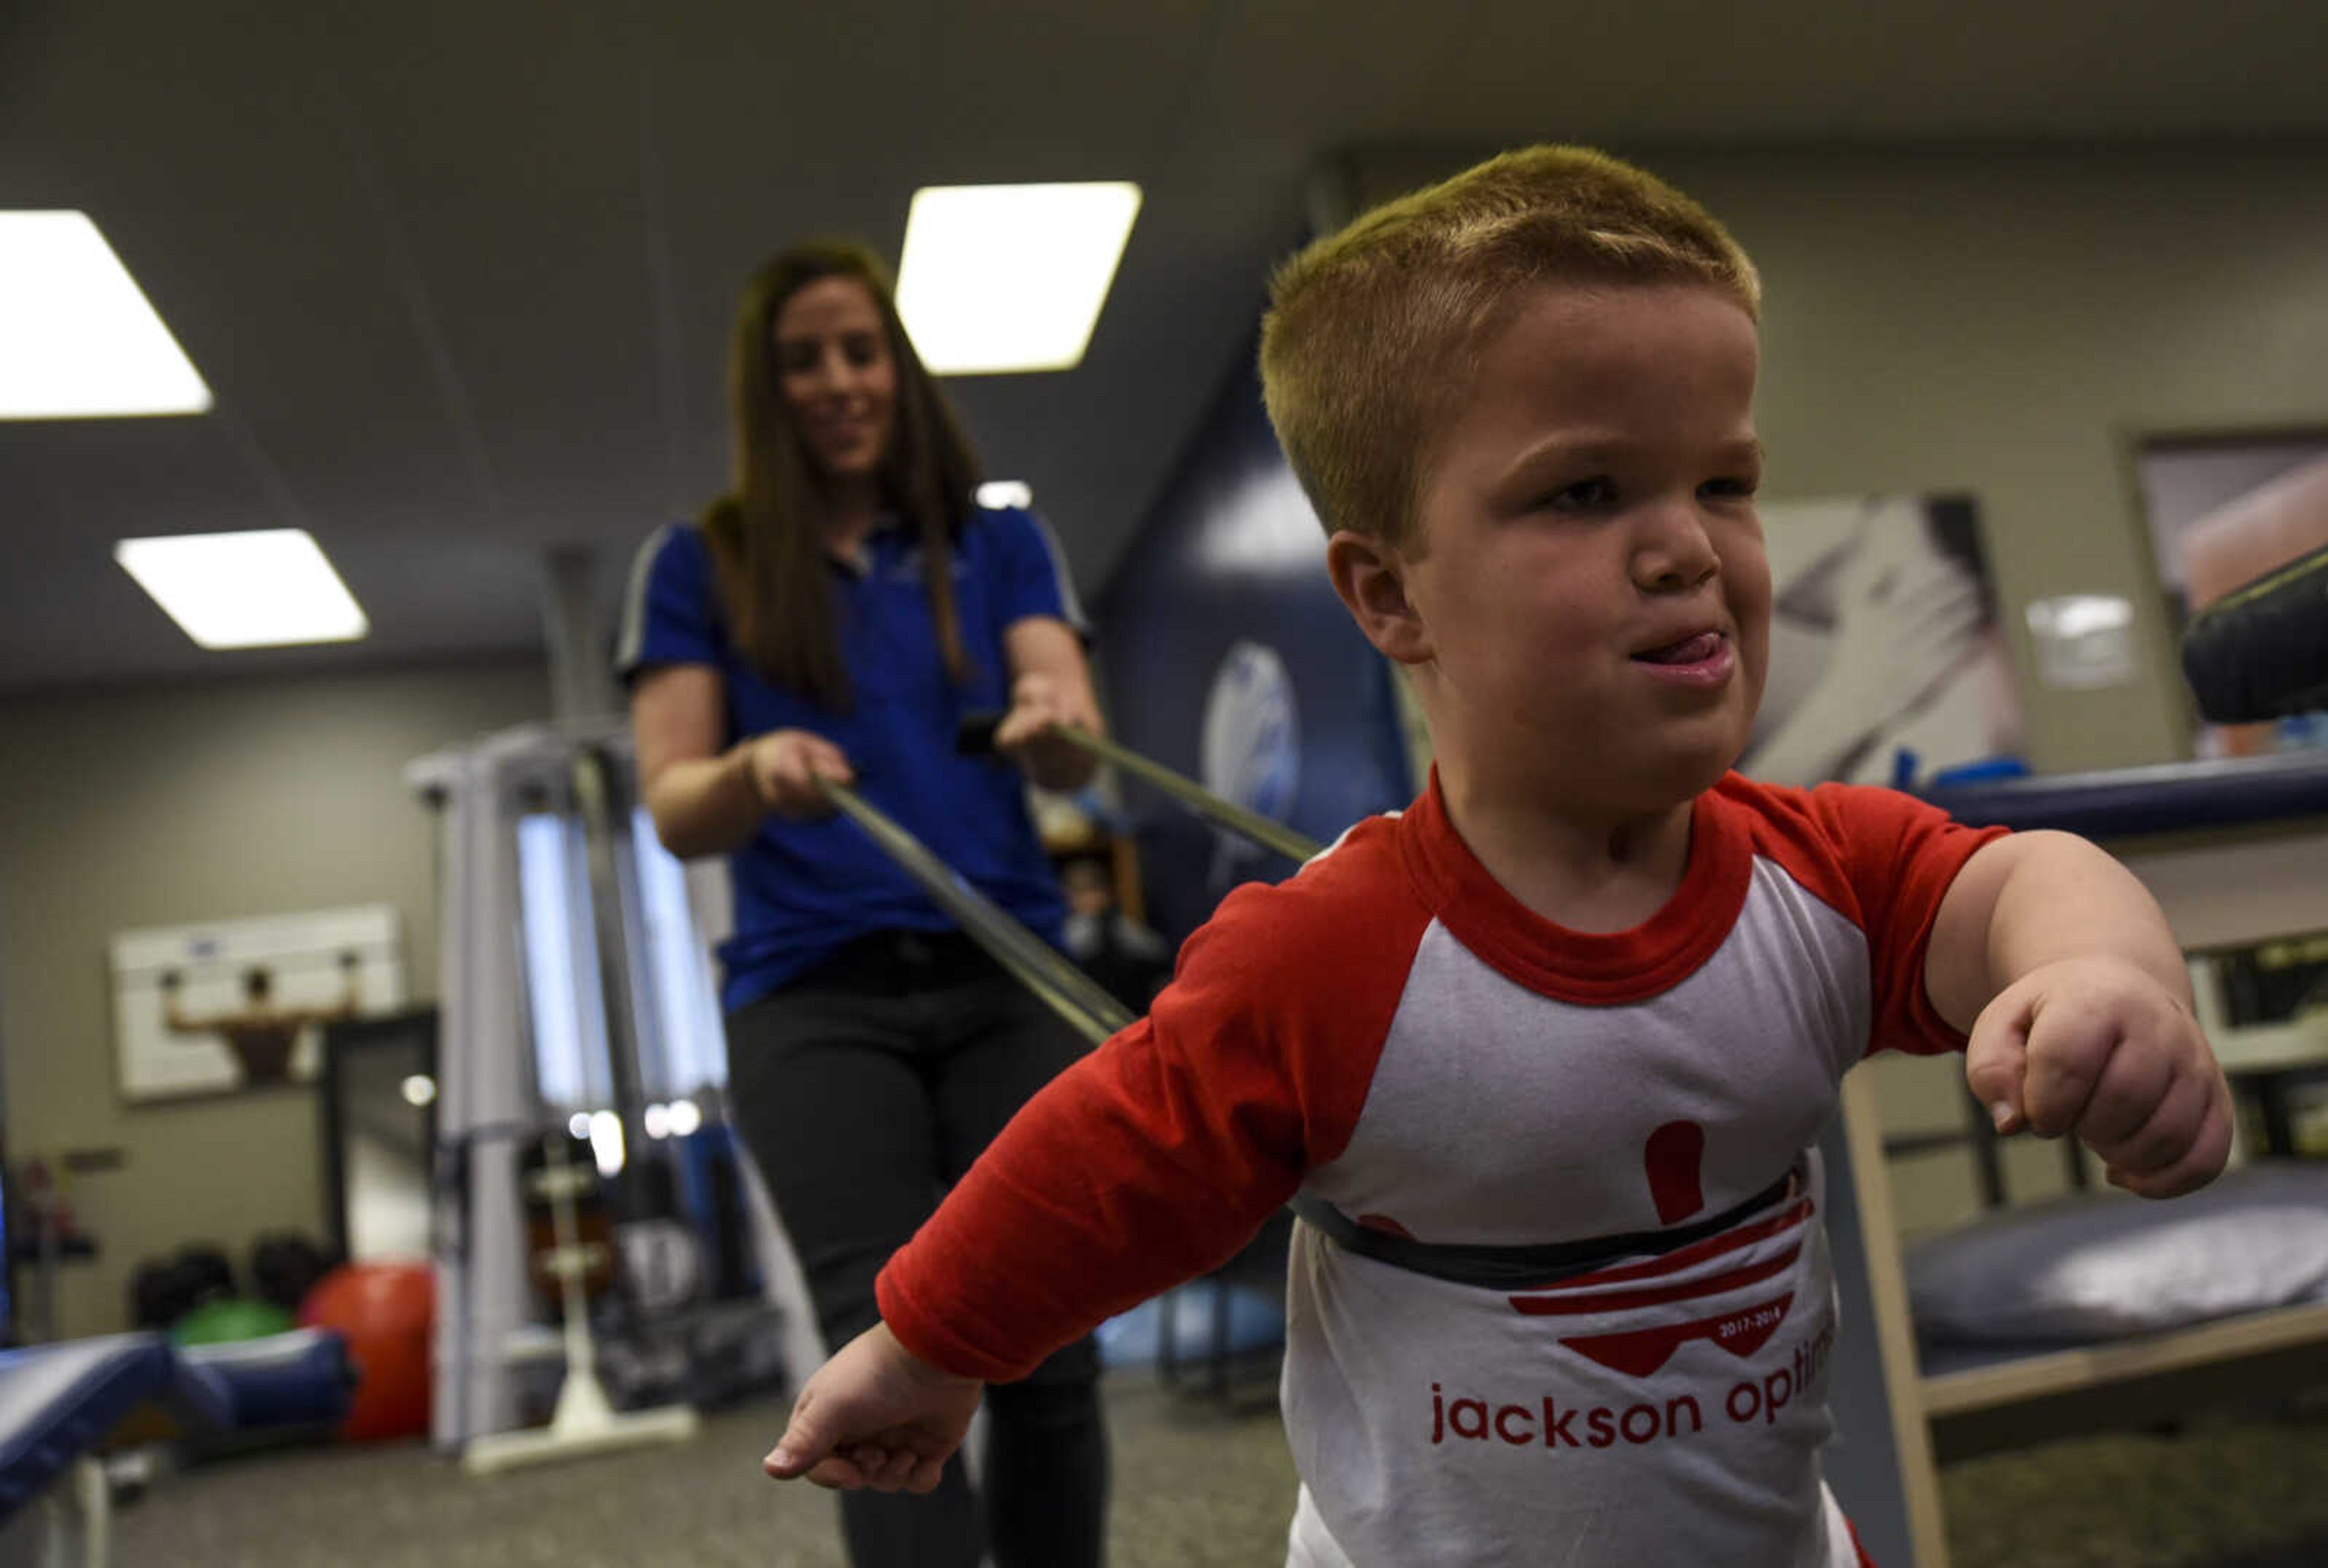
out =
column 387, row 1313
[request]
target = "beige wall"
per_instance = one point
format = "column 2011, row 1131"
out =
column 187, row 803
column 2002, row 322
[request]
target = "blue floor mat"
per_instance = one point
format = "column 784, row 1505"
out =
column 1255, row 1323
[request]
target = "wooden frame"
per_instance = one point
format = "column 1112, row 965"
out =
column 2125, row 1382
column 1877, row 1251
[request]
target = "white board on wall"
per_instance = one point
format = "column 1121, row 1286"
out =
column 239, row 1004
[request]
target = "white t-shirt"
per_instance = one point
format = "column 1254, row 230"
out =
column 1391, row 1032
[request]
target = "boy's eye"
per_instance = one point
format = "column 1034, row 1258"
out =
column 1584, row 495
column 1735, row 489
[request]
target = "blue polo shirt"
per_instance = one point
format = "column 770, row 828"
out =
column 802, row 890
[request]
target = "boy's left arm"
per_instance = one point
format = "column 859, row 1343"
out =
column 2058, row 965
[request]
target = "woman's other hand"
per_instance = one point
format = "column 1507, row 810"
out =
column 1040, row 703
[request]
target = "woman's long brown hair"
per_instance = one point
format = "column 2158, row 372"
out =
column 766, row 534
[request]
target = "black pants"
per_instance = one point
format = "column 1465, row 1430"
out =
column 865, row 1089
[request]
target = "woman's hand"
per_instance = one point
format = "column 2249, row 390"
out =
column 784, row 767
column 1028, row 734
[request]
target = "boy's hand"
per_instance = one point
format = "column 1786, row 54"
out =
column 876, row 1417
column 2098, row 1047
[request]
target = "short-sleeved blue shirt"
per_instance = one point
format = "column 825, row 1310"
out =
column 802, row 890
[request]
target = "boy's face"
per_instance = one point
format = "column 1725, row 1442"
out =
column 1591, row 598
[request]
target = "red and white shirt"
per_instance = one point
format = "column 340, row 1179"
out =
column 1394, row 1033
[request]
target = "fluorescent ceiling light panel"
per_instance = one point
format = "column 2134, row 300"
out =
column 1010, row 277
column 78, row 338
column 999, row 492
column 246, row 590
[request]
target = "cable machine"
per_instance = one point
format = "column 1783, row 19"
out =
column 584, row 1170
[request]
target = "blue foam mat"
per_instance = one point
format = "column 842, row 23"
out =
column 1255, row 1323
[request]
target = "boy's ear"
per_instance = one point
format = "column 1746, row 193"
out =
column 1371, row 578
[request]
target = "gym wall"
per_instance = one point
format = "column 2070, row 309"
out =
column 162, row 805
column 2002, row 322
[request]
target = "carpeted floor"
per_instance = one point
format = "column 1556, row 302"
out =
column 2223, row 1493
column 1194, row 1485
column 1197, row 1486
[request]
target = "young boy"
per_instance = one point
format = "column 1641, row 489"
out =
column 1543, row 1057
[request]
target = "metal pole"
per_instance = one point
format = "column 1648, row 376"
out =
column 581, row 677
column 1074, row 995
column 595, row 789
column 977, row 735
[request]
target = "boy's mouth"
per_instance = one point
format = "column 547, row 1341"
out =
column 1694, row 650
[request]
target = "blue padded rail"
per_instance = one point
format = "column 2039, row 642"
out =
column 2128, row 802
column 300, row 1378
column 57, row 1401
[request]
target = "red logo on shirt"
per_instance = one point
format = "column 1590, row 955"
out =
column 1673, row 1156
column 1638, row 1352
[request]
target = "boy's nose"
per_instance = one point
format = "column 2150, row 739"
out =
column 1675, row 552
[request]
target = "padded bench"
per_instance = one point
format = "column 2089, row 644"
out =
column 59, row 1402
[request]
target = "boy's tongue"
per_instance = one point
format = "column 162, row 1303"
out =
column 1688, row 651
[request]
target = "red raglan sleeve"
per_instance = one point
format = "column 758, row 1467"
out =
column 1899, row 855
column 1156, row 1158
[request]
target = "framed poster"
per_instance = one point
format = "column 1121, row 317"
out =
column 1888, row 665
column 239, row 1004
column 2224, row 510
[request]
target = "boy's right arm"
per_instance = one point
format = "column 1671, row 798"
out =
column 1120, row 1179
column 1149, row 1162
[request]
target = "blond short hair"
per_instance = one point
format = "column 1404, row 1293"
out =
column 1371, row 333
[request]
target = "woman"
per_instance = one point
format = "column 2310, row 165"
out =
column 835, row 617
